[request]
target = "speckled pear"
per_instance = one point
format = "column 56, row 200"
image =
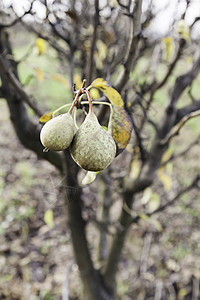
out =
column 92, row 148
column 57, row 134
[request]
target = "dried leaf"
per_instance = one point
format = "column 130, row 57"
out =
column 121, row 128
column 41, row 45
column 48, row 218
column 89, row 177
column 45, row 118
column 113, row 95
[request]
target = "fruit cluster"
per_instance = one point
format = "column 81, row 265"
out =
column 91, row 146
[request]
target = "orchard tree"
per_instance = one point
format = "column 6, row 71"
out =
column 125, row 66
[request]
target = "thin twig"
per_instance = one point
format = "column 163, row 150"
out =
column 175, row 130
column 192, row 185
column 182, row 153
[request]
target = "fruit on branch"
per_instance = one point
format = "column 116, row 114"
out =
column 57, row 134
column 92, row 148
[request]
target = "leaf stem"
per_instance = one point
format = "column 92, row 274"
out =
column 58, row 109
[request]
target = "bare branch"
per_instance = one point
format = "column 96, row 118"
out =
column 132, row 47
column 194, row 184
column 175, row 130
column 93, row 42
column 172, row 65
column 186, row 110
column 16, row 84
column 182, row 153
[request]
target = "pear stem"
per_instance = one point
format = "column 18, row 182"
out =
column 79, row 92
column 89, row 100
column 58, row 109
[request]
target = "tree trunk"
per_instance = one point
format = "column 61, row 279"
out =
column 93, row 284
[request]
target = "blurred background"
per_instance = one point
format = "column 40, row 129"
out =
column 57, row 43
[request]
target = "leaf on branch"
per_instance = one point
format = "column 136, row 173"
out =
column 45, row 118
column 112, row 94
column 94, row 93
column 135, row 169
column 169, row 47
column 154, row 202
column 183, row 30
column 100, row 54
column 39, row 73
column 77, row 81
column 89, row 177
column 167, row 155
column 165, row 179
column 146, row 196
column 48, row 218
column 41, row 45
column 121, row 127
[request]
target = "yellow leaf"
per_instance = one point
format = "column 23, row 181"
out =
column 41, row 45
column 89, row 177
column 169, row 47
column 167, row 154
column 183, row 30
column 146, row 196
column 156, row 223
column 102, row 49
column 77, row 80
column 45, row 118
column 135, row 169
column 154, row 202
column 182, row 293
column 61, row 79
column 39, row 74
column 113, row 95
column 94, row 94
column 165, row 179
column 121, row 128
column 48, row 218
column 100, row 54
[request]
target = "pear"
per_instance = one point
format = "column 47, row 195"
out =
column 92, row 148
column 57, row 134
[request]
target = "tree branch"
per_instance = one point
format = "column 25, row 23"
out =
column 17, row 86
column 92, row 282
column 90, row 64
column 132, row 47
column 175, row 130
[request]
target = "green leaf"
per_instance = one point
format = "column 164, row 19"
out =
column 113, row 95
column 45, row 118
column 48, row 218
column 121, row 127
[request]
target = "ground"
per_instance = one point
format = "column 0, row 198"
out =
column 36, row 259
